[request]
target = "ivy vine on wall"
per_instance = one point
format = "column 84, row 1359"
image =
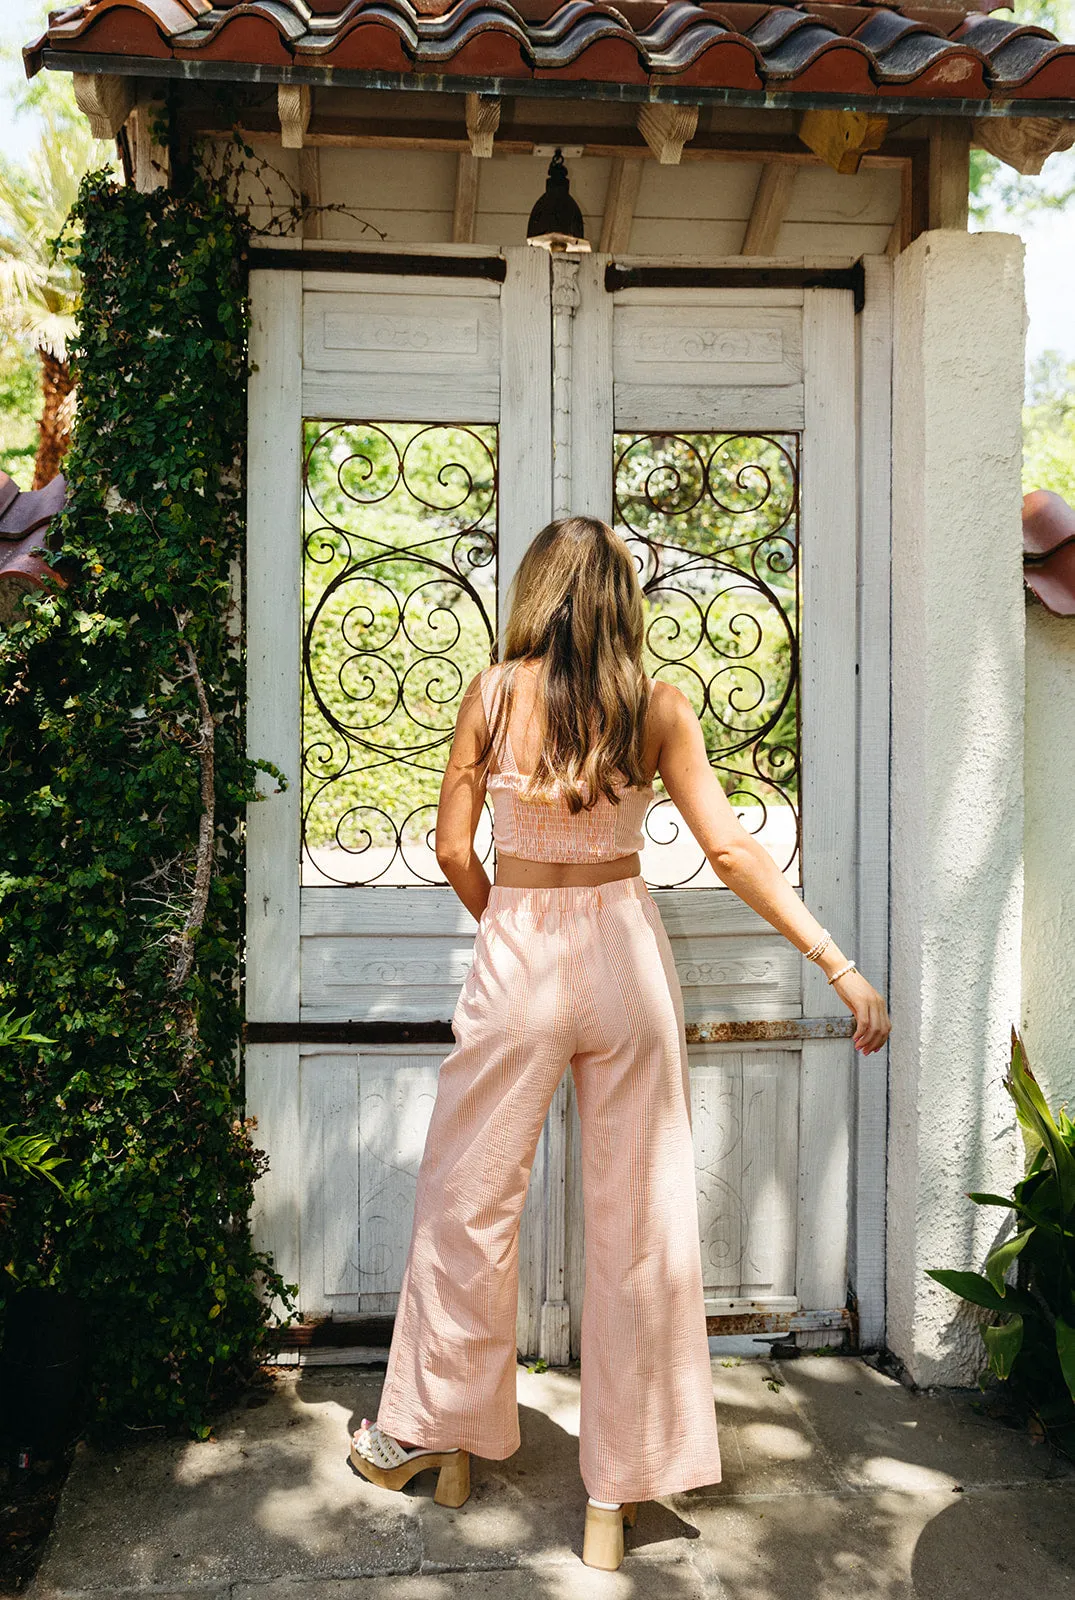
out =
column 123, row 784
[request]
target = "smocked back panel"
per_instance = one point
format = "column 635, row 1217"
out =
column 546, row 830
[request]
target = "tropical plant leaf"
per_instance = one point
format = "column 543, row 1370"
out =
column 1004, row 1340
column 1065, row 1349
column 1038, row 1119
column 999, row 1260
column 978, row 1290
column 992, row 1200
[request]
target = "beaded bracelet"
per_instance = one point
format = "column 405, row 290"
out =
column 816, row 949
column 851, row 967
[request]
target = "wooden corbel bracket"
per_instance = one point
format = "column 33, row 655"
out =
column 842, row 138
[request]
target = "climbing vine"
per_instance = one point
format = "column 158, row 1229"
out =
column 123, row 785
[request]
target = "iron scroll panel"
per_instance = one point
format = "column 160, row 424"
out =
column 399, row 612
column 712, row 519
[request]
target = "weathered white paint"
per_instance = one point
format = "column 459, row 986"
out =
column 699, row 208
column 870, row 1085
column 957, row 751
column 1048, row 1015
column 828, row 787
column 274, row 487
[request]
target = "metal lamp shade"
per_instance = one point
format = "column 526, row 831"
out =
column 556, row 221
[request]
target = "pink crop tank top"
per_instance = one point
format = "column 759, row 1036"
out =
column 546, row 830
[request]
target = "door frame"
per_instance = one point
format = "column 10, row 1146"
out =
column 570, row 433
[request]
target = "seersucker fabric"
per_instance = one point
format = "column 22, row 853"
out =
column 580, row 976
column 546, row 830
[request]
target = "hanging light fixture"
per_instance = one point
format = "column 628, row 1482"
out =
column 556, row 222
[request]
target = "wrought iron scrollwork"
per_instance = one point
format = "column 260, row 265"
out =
column 713, row 522
column 399, row 609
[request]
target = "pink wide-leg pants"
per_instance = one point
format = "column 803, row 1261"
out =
column 579, row 976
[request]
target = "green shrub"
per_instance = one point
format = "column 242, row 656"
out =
column 123, row 790
column 1030, row 1343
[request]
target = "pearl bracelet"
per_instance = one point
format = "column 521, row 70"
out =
column 816, row 949
column 849, row 968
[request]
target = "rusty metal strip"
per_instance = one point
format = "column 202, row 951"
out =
column 375, row 1331
column 781, row 1028
column 383, row 1031
column 840, row 1321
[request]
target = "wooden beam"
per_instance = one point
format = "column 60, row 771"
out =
column 465, row 212
column 483, row 119
column 150, row 157
column 624, row 182
column 770, row 206
column 368, row 133
column 310, row 189
column 105, row 100
column 1024, row 143
column 294, row 103
column 841, row 138
column 949, row 173
column 666, row 129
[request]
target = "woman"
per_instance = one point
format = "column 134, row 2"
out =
column 572, row 966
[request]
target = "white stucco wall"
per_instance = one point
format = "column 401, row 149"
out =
column 957, row 761
column 1048, row 1021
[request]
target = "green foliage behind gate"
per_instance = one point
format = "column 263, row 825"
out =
column 123, row 782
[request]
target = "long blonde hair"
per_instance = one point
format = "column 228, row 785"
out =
column 576, row 604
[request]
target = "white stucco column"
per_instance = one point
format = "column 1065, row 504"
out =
column 957, row 784
column 1048, row 1027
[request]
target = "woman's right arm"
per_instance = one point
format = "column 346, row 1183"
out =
column 745, row 865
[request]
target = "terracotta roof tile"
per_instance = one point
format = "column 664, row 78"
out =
column 24, row 540
column 855, row 49
column 1049, row 550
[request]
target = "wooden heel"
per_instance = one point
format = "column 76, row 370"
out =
column 453, row 1476
column 453, row 1480
column 602, row 1543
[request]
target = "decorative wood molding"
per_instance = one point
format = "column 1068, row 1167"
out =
column 310, row 189
column 842, row 138
column 1024, row 143
column 483, row 119
column 294, row 102
column 105, row 100
column 565, row 302
column 771, row 199
column 465, row 210
column 666, row 129
column 624, row 182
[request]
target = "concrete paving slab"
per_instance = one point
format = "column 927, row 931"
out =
column 766, row 1445
column 637, row 1580
column 271, row 1493
column 876, row 1433
column 891, row 1546
column 839, row 1485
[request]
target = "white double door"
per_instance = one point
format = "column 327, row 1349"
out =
column 589, row 400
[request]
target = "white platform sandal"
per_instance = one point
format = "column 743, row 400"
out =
column 382, row 1460
column 602, row 1544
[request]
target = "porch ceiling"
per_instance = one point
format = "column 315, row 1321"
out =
column 942, row 54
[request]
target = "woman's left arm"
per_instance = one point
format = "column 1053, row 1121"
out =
column 462, row 796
